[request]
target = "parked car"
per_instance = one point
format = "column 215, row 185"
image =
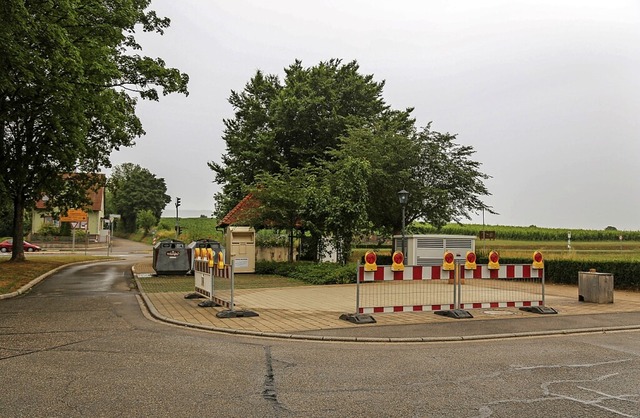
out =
column 7, row 245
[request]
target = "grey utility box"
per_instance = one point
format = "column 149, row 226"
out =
column 171, row 257
column 428, row 250
column 595, row 287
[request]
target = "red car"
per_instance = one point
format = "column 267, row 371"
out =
column 7, row 245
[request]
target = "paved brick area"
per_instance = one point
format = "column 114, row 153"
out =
column 308, row 308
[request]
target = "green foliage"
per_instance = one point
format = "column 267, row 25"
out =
column 524, row 233
column 49, row 230
column 268, row 238
column 135, row 189
column 291, row 123
column 145, row 219
column 626, row 274
column 5, row 217
column 314, row 273
column 323, row 152
column 70, row 77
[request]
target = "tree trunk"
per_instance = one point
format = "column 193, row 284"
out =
column 17, row 253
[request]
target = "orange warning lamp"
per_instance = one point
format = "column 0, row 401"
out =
column 220, row 260
column 470, row 261
column 538, row 260
column 210, row 256
column 370, row 261
column 397, row 260
column 448, row 260
column 494, row 260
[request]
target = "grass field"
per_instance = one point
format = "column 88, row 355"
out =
column 592, row 250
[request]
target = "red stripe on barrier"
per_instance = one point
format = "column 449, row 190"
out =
column 452, row 275
column 361, row 273
column 540, row 273
column 511, row 271
column 435, row 272
column 378, row 310
column 360, row 310
column 494, row 305
column 526, row 303
column 436, row 307
column 511, row 304
column 397, row 309
column 379, row 273
column 477, row 273
column 417, row 273
column 398, row 275
column 526, row 271
column 477, row 305
column 417, row 308
column 493, row 274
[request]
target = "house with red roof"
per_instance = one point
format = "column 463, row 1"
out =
column 41, row 216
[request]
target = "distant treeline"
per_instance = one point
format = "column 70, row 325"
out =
column 527, row 233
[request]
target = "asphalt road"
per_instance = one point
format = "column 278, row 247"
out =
column 79, row 345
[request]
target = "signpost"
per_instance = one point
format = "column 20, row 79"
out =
column 76, row 217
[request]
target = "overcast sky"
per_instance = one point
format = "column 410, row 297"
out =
column 546, row 91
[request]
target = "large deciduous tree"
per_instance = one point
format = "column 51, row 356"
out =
column 327, row 130
column 134, row 189
column 292, row 123
column 70, row 76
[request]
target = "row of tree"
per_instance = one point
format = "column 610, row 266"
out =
column 323, row 152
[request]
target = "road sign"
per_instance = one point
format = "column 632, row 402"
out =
column 75, row 215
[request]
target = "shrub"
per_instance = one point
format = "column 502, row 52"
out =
column 310, row 272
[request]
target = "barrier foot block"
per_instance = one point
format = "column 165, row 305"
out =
column 236, row 314
column 207, row 304
column 358, row 318
column 539, row 309
column 193, row 295
column 455, row 313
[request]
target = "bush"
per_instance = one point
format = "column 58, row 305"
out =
column 626, row 274
column 309, row 272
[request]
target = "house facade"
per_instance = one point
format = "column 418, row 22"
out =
column 94, row 225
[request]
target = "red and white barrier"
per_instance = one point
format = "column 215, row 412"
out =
column 409, row 273
column 431, row 288
column 206, row 284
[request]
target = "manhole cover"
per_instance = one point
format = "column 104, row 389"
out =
column 498, row 313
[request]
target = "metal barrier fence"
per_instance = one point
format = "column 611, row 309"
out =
column 218, row 286
column 431, row 288
column 213, row 283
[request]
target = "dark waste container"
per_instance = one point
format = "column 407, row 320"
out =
column 171, row 257
column 202, row 243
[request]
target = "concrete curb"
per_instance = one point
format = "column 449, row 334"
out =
column 529, row 334
column 27, row 287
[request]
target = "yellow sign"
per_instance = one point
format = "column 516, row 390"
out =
column 75, row 215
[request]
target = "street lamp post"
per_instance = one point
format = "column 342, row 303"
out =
column 403, row 197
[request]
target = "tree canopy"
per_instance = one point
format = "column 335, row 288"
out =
column 322, row 151
column 135, row 190
column 70, row 77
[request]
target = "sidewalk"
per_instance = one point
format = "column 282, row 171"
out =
column 313, row 313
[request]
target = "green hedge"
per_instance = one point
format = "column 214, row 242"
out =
column 310, row 272
column 626, row 275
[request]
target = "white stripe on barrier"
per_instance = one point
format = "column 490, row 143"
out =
column 526, row 290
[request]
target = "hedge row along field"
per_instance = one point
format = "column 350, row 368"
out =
column 531, row 233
